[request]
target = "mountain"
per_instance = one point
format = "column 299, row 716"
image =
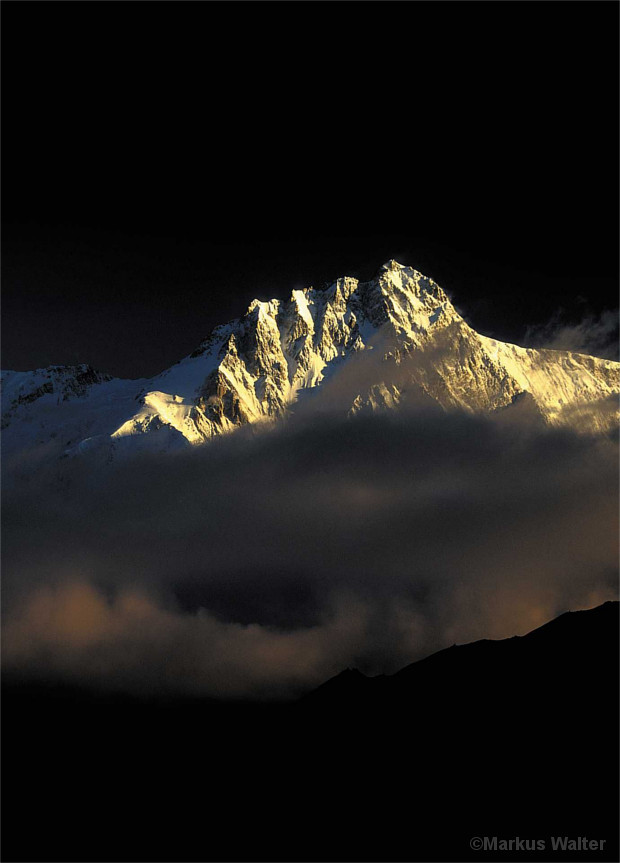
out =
column 550, row 655
column 507, row 739
column 393, row 341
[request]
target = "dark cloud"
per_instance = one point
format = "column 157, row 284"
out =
column 263, row 563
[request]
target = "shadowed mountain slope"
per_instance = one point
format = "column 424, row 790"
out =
column 513, row 738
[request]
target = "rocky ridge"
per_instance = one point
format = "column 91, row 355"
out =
column 358, row 346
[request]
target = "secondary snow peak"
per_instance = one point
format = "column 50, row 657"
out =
column 392, row 265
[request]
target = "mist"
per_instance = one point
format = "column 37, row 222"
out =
column 594, row 334
column 260, row 565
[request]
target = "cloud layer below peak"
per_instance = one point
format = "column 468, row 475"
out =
column 263, row 564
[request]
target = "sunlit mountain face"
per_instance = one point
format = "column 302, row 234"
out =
column 309, row 431
column 350, row 476
column 385, row 344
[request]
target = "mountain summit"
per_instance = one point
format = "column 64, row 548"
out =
column 352, row 346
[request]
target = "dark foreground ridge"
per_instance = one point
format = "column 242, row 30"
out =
column 507, row 739
column 497, row 668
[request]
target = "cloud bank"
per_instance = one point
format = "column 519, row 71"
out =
column 596, row 335
column 262, row 564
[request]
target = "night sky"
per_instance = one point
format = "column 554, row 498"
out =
column 163, row 164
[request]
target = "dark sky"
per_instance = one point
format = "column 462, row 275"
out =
column 165, row 163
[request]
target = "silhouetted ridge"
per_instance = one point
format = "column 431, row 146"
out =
column 573, row 637
column 348, row 683
column 507, row 738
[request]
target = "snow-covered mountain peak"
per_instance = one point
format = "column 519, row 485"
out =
column 263, row 308
column 392, row 265
column 371, row 345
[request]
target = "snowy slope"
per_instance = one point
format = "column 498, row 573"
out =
column 354, row 346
